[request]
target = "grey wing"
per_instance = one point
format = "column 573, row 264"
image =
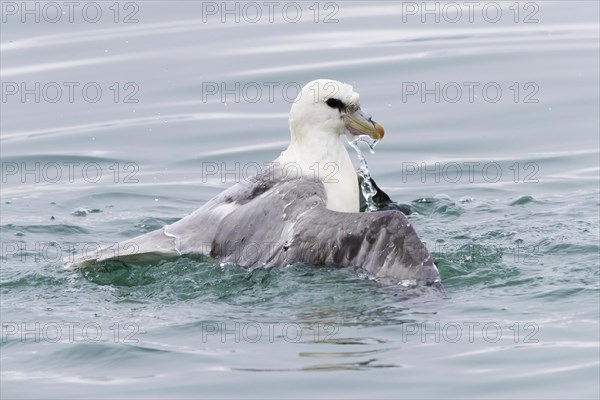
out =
column 274, row 222
column 257, row 232
column 384, row 244
column 193, row 234
column 291, row 224
column 154, row 245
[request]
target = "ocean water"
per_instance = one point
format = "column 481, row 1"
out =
column 118, row 118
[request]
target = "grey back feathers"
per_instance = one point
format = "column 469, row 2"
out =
column 269, row 220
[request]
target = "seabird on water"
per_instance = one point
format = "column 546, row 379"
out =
column 304, row 208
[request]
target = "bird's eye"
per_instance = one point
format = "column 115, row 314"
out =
column 335, row 103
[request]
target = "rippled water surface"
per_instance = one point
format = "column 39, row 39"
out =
column 504, row 181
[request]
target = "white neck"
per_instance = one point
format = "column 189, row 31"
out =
column 322, row 156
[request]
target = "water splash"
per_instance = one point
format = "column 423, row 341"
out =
column 366, row 186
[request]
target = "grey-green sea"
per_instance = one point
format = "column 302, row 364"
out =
column 120, row 117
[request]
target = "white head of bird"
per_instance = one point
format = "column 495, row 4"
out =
column 323, row 111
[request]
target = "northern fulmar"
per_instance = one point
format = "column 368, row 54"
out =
column 303, row 208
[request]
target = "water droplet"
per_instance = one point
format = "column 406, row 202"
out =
column 366, row 186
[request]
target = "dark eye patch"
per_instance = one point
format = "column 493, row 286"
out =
column 335, row 103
